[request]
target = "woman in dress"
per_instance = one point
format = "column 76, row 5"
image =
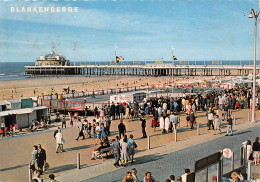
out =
column 102, row 114
column 167, row 124
column 34, row 155
column 124, row 151
column 162, row 123
column 102, row 131
column 98, row 132
column 132, row 145
column 249, row 149
column 217, row 123
column 127, row 113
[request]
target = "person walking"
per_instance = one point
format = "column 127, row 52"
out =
column 217, row 123
column 124, row 151
column 132, row 146
column 63, row 122
column 128, row 177
column 167, row 124
column 108, row 123
column 143, row 126
column 256, row 151
column 121, row 111
column 127, row 113
column 229, row 127
column 225, row 113
column 81, row 133
column 59, row 141
column 116, row 147
column 134, row 175
column 102, row 131
column 210, row 119
column 52, row 178
column 41, row 158
column 154, row 124
column 38, row 176
column 192, row 119
column 112, row 111
column 162, row 124
column 98, row 132
column 121, row 128
column 34, row 155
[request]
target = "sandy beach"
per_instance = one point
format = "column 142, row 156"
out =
column 45, row 85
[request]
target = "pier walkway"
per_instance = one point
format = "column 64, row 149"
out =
column 143, row 70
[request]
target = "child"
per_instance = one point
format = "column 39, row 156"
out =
column 154, row 124
column 237, row 105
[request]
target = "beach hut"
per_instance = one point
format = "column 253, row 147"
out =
column 3, row 105
column 23, row 117
column 14, row 104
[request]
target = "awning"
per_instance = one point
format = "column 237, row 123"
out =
column 3, row 103
column 38, row 108
column 17, row 111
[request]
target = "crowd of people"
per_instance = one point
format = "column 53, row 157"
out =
column 39, row 161
column 148, row 177
column 165, row 114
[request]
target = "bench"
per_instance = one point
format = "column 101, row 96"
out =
column 108, row 150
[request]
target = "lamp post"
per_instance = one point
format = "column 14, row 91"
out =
column 255, row 15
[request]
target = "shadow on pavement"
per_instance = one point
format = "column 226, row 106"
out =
column 15, row 167
column 243, row 132
column 148, row 158
column 77, row 148
column 61, row 168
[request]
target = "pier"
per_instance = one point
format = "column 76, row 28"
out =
column 142, row 70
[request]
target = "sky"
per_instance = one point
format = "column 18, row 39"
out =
column 141, row 29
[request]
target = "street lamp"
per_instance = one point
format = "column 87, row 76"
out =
column 255, row 15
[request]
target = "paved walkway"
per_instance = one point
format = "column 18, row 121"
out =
column 16, row 152
column 163, row 162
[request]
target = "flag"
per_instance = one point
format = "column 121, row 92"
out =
column 119, row 59
column 113, row 62
column 174, row 58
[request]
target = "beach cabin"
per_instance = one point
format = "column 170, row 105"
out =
column 26, row 102
column 3, row 105
column 23, row 117
column 14, row 104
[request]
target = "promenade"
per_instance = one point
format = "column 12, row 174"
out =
column 16, row 152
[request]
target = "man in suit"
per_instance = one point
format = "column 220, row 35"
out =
column 41, row 159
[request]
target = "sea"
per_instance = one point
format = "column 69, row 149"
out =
column 16, row 71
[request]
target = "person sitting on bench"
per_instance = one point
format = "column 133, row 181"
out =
column 104, row 144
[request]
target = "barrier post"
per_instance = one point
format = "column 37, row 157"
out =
column 148, row 142
column 248, row 116
column 78, row 160
column 249, row 171
column 233, row 162
column 241, row 156
column 198, row 129
column 234, row 118
column 175, row 133
column 30, row 174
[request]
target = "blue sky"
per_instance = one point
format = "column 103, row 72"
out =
column 142, row 29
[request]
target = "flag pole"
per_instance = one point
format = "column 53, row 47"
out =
column 172, row 69
column 116, row 69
